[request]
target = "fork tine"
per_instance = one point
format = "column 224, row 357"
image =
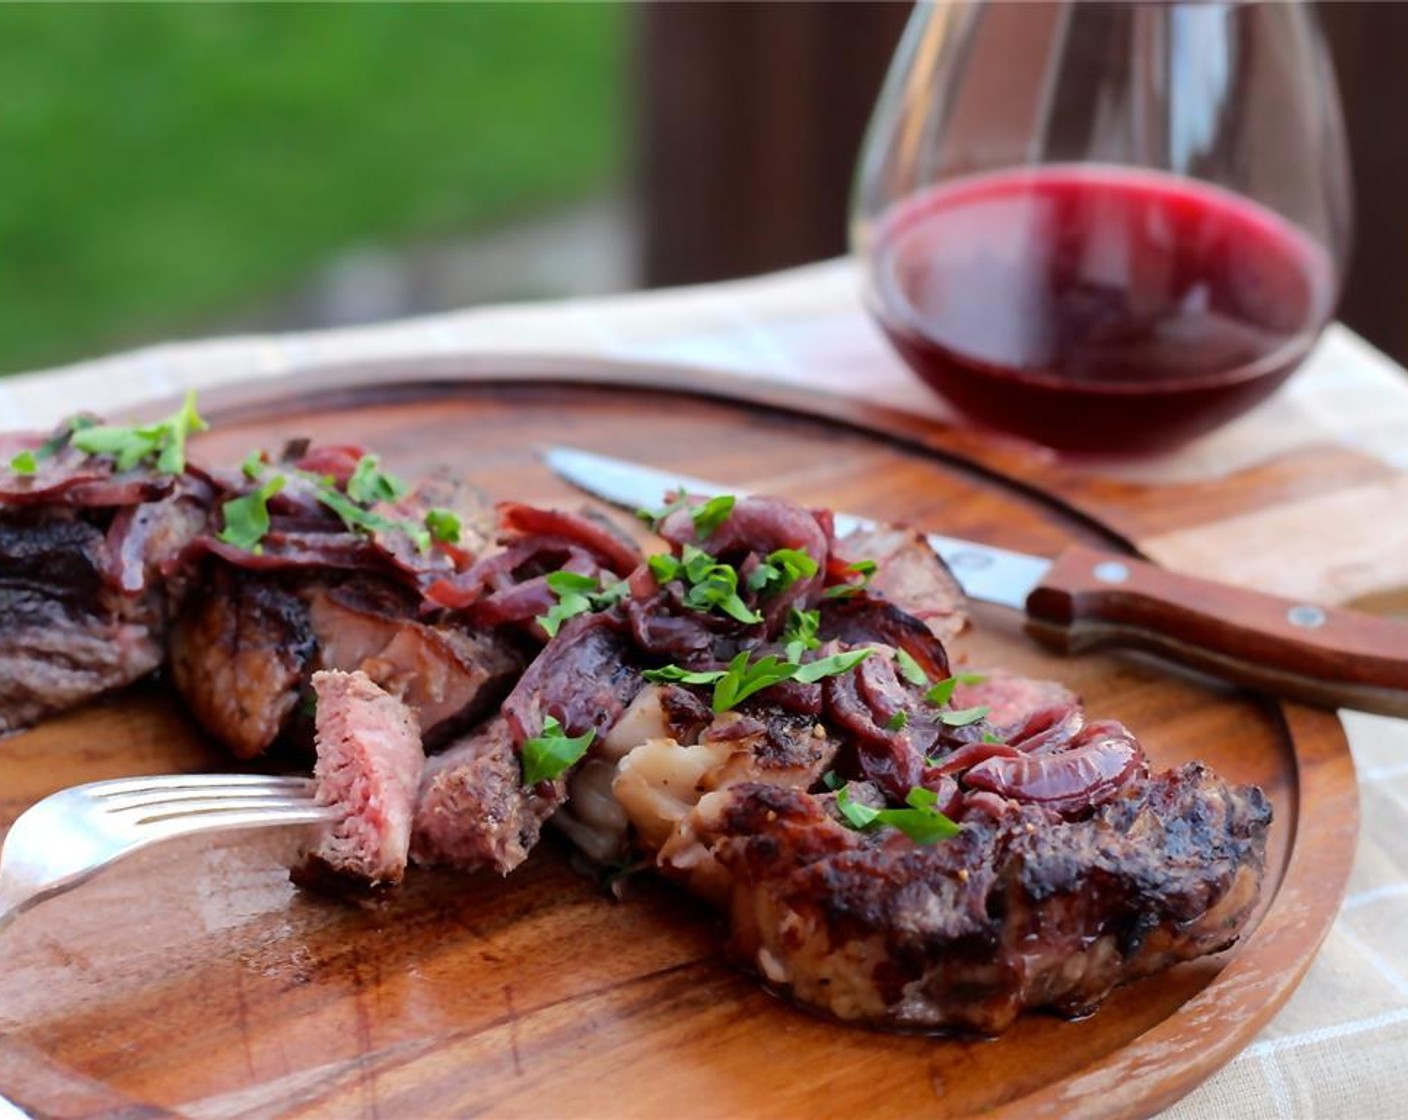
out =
column 186, row 824
column 166, row 782
column 196, row 806
column 146, row 799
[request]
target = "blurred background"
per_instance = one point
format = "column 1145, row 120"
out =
column 174, row 171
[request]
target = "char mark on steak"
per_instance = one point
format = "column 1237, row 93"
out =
column 241, row 653
column 84, row 552
column 369, row 766
column 473, row 810
column 1015, row 912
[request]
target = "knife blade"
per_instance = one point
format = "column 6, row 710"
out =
column 1087, row 599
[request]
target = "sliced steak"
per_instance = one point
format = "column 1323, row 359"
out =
column 449, row 676
column 473, row 810
column 369, row 765
column 83, row 602
column 910, row 574
column 1012, row 913
column 54, row 657
column 241, row 652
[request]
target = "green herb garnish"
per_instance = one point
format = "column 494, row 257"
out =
column 711, row 514
column 673, row 674
column 897, row 722
column 799, row 635
column 354, row 516
column 653, row 517
column 743, row 677
column 370, row 484
column 780, row 571
column 708, row 584
column 921, row 822
column 164, row 441
column 832, row 666
column 27, row 462
column 942, row 692
column 964, row 716
column 545, row 757
column 910, row 669
column 577, row 594
column 444, row 526
column 247, row 517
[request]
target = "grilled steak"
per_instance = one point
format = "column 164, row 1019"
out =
column 241, row 652
column 473, row 809
column 369, row 764
column 333, row 583
column 1016, row 911
column 449, row 675
column 909, row 574
column 84, row 551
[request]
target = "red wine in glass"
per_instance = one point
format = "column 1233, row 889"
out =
column 1105, row 227
column 1094, row 309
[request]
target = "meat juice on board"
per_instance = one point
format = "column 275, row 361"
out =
column 1098, row 309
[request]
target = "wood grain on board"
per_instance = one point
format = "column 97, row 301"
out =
column 194, row 978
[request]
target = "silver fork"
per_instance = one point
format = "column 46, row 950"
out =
column 65, row 839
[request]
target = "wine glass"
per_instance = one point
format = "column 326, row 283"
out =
column 1106, row 227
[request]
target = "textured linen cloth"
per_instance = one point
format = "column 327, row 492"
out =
column 1340, row 1046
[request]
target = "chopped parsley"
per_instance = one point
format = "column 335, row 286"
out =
column 921, row 821
column 370, row 484
column 27, row 462
column 800, row 633
column 547, row 756
column 780, row 571
column 444, row 526
column 577, row 594
column 897, row 722
column 743, row 677
column 367, row 480
column 708, row 583
column 163, row 442
column 355, row 516
column 964, row 716
column 910, row 669
column 711, row 514
column 653, row 517
column 247, row 517
column 942, row 692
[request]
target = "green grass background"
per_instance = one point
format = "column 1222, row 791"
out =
column 163, row 164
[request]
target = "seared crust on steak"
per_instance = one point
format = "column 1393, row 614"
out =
column 83, row 556
column 1018, row 911
column 241, row 652
column 473, row 810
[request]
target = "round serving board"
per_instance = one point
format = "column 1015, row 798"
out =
column 194, row 978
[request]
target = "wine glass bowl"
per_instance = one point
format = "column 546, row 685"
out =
column 1108, row 228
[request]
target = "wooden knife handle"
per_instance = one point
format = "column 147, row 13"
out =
column 1338, row 658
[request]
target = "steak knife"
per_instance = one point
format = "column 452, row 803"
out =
column 1086, row 599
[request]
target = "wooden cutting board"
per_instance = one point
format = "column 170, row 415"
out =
column 195, row 979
